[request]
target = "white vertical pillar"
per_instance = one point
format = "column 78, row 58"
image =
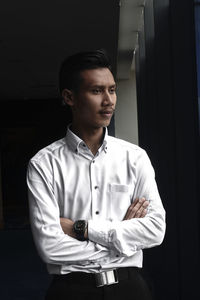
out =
column 126, row 120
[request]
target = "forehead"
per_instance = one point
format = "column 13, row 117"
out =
column 95, row 77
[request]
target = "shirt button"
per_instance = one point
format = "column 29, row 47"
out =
column 93, row 161
column 97, row 212
column 96, row 187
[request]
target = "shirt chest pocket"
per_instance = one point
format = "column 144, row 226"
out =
column 120, row 200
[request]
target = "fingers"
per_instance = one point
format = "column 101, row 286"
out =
column 142, row 209
column 138, row 209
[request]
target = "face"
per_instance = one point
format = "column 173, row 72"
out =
column 94, row 103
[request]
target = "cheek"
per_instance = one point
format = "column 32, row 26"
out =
column 90, row 105
column 87, row 109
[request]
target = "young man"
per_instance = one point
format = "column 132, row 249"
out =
column 94, row 203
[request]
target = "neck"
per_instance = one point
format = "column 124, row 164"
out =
column 93, row 137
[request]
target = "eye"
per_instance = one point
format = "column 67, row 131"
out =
column 96, row 91
column 112, row 90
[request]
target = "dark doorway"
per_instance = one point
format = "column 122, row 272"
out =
column 26, row 127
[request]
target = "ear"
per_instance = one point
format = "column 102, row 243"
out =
column 68, row 97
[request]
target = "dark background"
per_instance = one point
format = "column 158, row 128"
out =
column 168, row 130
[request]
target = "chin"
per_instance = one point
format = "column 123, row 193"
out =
column 105, row 124
column 102, row 123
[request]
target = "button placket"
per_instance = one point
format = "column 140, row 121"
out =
column 95, row 187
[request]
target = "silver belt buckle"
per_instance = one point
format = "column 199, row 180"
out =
column 106, row 278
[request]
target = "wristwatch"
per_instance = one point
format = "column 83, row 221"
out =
column 79, row 228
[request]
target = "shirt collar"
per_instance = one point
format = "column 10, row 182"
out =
column 75, row 142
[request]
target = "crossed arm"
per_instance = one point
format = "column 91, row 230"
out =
column 54, row 237
column 138, row 209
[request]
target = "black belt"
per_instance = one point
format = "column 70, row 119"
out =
column 99, row 279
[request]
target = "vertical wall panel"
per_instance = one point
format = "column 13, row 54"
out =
column 168, row 129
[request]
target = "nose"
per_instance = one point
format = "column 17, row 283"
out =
column 108, row 99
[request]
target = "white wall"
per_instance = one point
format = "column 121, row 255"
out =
column 126, row 122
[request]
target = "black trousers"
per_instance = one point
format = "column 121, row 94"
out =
column 81, row 286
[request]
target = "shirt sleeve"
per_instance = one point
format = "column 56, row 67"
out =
column 128, row 236
column 53, row 245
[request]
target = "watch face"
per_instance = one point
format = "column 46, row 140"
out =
column 80, row 226
column 79, row 229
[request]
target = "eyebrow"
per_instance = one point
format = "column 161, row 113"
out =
column 102, row 86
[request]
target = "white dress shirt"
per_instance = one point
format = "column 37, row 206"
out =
column 66, row 180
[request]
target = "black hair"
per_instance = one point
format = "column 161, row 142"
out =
column 69, row 75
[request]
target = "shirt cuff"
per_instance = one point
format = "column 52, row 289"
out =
column 98, row 232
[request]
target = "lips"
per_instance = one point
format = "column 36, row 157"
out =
column 107, row 112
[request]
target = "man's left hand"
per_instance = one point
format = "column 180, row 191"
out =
column 67, row 226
